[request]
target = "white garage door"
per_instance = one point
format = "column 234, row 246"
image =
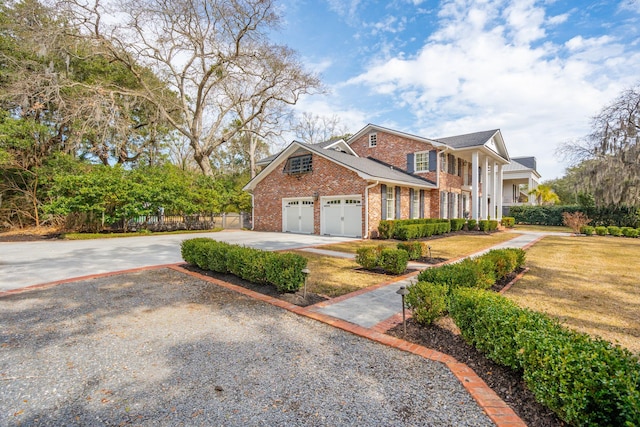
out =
column 297, row 216
column 342, row 216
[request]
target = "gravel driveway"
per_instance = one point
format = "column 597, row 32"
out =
column 162, row 348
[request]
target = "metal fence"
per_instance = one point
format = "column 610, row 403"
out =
column 171, row 222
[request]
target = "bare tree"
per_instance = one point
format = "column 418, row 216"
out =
column 213, row 54
column 610, row 155
column 313, row 129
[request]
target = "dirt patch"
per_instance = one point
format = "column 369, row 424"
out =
column 297, row 298
column 507, row 383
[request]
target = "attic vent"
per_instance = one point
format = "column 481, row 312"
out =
column 299, row 164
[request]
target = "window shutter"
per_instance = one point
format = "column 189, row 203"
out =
column 433, row 160
column 450, row 163
column 398, row 216
column 411, row 162
column 383, row 191
column 421, row 203
column 412, row 192
column 460, row 166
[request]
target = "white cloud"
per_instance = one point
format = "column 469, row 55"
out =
column 489, row 65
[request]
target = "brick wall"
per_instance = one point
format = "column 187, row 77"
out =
column 326, row 179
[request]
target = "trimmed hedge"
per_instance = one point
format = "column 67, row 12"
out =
column 587, row 230
column 621, row 216
column 614, row 230
column 427, row 301
column 601, row 230
column 457, row 224
column 508, row 221
column 586, row 381
column 414, row 249
column 472, row 224
column 393, row 261
column 284, row 271
column 407, row 229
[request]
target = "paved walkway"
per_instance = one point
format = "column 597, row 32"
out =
column 372, row 307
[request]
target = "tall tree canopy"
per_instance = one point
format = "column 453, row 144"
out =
column 609, row 157
column 215, row 55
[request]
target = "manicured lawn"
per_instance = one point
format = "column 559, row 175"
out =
column 444, row 247
column 333, row 276
column 590, row 283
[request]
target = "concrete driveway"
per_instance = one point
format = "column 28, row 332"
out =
column 31, row 263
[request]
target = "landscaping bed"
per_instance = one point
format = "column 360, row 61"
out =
column 508, row 384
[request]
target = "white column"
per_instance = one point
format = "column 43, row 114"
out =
column 475, row 185
column 492, row 191
column 499, row 189
column 532, row 198
column 485, row 189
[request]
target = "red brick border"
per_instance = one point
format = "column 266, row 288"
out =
column 495, row 408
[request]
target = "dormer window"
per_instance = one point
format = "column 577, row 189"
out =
column 298, row 165
column 373, row 140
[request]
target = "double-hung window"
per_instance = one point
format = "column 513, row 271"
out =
column 391, row 206
column 422, row 162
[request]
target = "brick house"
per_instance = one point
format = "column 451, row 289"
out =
column 346, row 187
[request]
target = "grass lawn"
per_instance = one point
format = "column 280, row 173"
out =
column 590, row 283
column 333, row 276
column 443, row 247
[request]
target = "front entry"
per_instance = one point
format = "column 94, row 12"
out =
column 297, row 216
column 342, row 216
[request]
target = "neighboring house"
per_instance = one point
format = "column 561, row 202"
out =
column 520, row 177
column 346, row 187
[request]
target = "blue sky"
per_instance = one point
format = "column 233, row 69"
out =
column 537, row 70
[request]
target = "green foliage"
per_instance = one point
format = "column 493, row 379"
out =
column 629, row 232
column 484, row 225
column 414, row 249
column 601, row 230
column 394, row 261
column 614, row 230
column 586, row 381
column 385, row 229
column 552, row 215
column 472, row 224
column 587, row 230
column 508, row 221
column 368, row 257
column 477, row 273
column 504, row 261
column 284, row 271
column 457, row 224
column 427, row 301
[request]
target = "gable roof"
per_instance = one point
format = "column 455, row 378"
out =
column 475, row 139
column 373, row 128
column 366, row 168
column 522, row 164
column 336, row 144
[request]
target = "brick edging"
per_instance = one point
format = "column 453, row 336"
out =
column 495, row 408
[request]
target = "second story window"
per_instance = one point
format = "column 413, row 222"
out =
column 299, row 164
column 422, row 162
column 373, row 139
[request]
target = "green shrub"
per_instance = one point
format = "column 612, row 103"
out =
column 472, row 224
column 217, row 257
column 504, row 262
column 483, row 225
column 629, row 232
column 414, row 249
column 489, row 322
column 586, row 381
column 521, row 256
column 493, row 225
column 508, row 221
column 368, row 257
column 614, row 231
column 601, row 230
column 394, row 261
column 385, row 229
column 473, row 273
column 194, row 251
column 407, row 232
column 587, row 230
column 427, row 301
column 285, row 272
column 457, row 224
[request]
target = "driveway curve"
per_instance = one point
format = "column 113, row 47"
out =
column 31, row 263
column 163, row 348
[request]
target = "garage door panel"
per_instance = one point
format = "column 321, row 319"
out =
column 342, row 216
column 353, row 218
column 297, row 216
column 333, row 217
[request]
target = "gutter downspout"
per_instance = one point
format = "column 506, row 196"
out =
column 366, row 208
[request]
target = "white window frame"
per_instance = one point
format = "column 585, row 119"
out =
column 415, row 203
column 373, row 140
column 424, row 162
column 391, row 202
